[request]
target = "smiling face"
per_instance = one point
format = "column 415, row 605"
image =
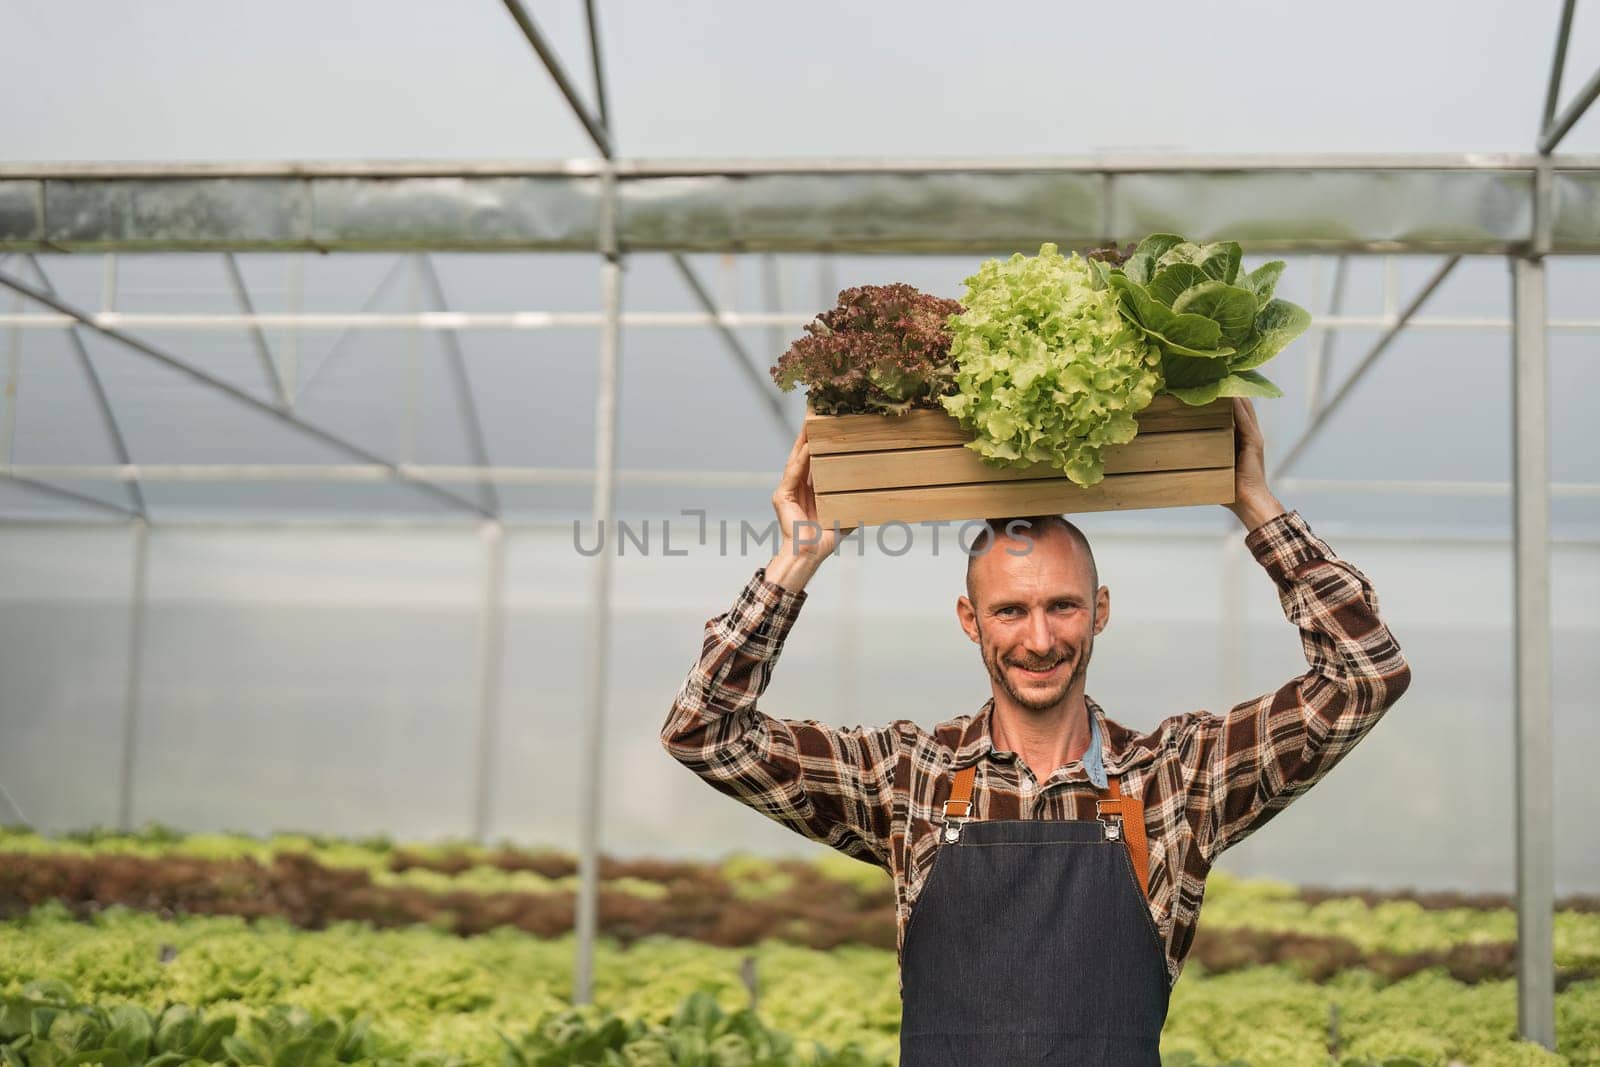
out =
column 1033, row 609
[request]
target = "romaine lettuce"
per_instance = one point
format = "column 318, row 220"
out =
column 1213, row 323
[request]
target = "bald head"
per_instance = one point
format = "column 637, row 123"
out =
column 995, row 533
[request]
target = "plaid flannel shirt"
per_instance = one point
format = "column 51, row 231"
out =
column 1207, row 781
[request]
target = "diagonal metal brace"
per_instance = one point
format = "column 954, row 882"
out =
column 144, row 347
column 735, row 346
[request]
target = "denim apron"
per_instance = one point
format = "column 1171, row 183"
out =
column 1031, row 944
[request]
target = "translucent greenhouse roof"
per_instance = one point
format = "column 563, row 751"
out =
column 410, row 80
column 1422, row 441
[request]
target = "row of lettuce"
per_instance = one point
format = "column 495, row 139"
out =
column 47, row 1025
column 831, row 901
column 416, row 995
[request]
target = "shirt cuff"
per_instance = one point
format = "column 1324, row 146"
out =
column 766, row 611
column 1284, row 542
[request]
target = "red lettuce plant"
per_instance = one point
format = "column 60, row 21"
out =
column 885, row 349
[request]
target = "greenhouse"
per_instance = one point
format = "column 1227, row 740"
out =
column 390, row 402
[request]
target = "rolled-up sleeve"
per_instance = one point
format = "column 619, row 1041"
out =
column 831, row 784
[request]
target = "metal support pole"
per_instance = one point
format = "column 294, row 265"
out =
column 1535, row 752
column 130, row 708
column 294, row 301
column 1322, row 352
column 605, row 445
column 8, row 399
column 491, row 642
column 411, row 382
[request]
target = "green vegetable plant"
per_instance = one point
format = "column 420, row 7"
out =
column 46, row 1027
column 699, row 1032
column 1047, row 367
column 1213, row 322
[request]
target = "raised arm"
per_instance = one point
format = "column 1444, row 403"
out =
column 1251, row 763
column 1266, row 751
column 831, row 784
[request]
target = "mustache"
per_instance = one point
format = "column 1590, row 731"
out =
column 1038, row 666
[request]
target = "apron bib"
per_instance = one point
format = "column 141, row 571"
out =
column 1031, row 944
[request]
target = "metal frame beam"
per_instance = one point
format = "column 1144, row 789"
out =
column 97, row 387
column 518, row 321
column 160, row 356
column 1464, row 203
column 741, row 357
column 466, row 400
column 684, row 478
column 1553, row 127
column 1320, row 419
column 241, row 296
column 626, row 169
column 595, row 128
column 67, row 494
column 8, row 426
column 372, row 301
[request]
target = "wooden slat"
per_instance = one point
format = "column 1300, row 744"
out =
column 870, row 433
column 954, row 464
column 1034, row 497
column 925, row 427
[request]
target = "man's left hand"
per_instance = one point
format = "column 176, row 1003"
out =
column 1253, row 503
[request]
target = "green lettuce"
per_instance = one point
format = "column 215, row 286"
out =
column 1213, row 322
column 1047, row 367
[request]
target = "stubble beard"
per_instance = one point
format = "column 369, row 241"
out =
column 997, row 671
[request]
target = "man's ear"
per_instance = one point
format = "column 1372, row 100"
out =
column 1102, row 609
column 967, row 615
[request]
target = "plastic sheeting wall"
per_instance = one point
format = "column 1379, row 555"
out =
column 325, row 679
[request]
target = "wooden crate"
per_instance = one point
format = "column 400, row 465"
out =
column 871, row 469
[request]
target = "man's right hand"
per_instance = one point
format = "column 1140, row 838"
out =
column 803, row 542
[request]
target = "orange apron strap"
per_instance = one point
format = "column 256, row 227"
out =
column 961, row 793
column 1131, row 809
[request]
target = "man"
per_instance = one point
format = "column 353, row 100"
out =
column 1049, row 863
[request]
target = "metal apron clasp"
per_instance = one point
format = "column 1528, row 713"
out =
column 954, row 822
column 1113, row 823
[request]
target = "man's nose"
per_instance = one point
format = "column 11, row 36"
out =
column 1039, row 639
